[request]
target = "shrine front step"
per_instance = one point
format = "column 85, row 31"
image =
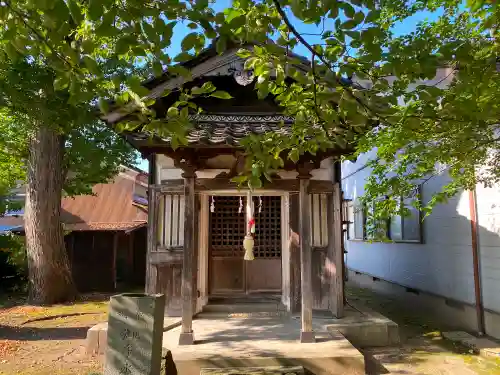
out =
column 244, row 308
column 332, row 365
column 270, row 370
column 226, row 344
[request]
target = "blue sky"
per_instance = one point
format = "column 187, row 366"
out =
column 402, row 28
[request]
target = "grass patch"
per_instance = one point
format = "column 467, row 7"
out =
column 15, row 312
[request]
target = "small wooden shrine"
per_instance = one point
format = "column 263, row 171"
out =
column 209, row 238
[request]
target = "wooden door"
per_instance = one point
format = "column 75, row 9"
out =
column 228, row 272
column 263, row 274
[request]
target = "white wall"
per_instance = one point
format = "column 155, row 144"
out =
column 488, row 212
column 441, row 265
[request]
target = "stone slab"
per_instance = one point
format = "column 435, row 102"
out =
column 480, row 345
column 365, row 327
column 262, row 342
column 135, row 330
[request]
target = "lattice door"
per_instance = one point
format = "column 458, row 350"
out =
column 267, row 227
column 228, row 271
column 227, row 227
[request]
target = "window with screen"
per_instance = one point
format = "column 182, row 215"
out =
column 407, row 228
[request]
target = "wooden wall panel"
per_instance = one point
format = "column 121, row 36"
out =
column 92, row 261
column 139, row 248
column 169, row 283
column 320, row 279
column 263, row 275
column 226, row 275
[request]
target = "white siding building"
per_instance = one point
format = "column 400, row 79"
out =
column 431, row 261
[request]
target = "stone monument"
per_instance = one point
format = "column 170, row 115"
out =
column 135, row 331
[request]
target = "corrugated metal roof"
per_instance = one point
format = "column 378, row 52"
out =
column 110, row 208
column 12, row 221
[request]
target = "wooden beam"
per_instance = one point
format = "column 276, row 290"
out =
column 148, row 147
column 207, row 184
column 336, row 249
column 306, row 334
column 166, row 257
column 188, row 266
column 315, row 186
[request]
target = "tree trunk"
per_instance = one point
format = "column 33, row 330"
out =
column 49, row 271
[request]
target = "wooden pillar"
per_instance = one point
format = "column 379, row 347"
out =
column 336, row 252
column 306, row 334
column 196, row 251
column 188, row 265
column 294, row 249
column 151, row 271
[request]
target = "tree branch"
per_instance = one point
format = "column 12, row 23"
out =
column 301, row 39
column 37, row 34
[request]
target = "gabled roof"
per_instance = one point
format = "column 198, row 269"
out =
column 206, row 64
column 222, row 124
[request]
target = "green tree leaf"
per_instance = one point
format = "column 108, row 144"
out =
column 75, row 10
column 349, row 24
column 348, row 9
column 95, row 10
column 221, row 94
column 157, row 68
column 221, row 44
column 232, row 13
column 189, row 41
column 294, row 155
column 91, row 65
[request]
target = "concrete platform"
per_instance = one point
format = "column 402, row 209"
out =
column 261, row 342
column 479, row 345
column 364, row 327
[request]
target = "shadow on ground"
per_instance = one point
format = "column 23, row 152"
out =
column 35, row 333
